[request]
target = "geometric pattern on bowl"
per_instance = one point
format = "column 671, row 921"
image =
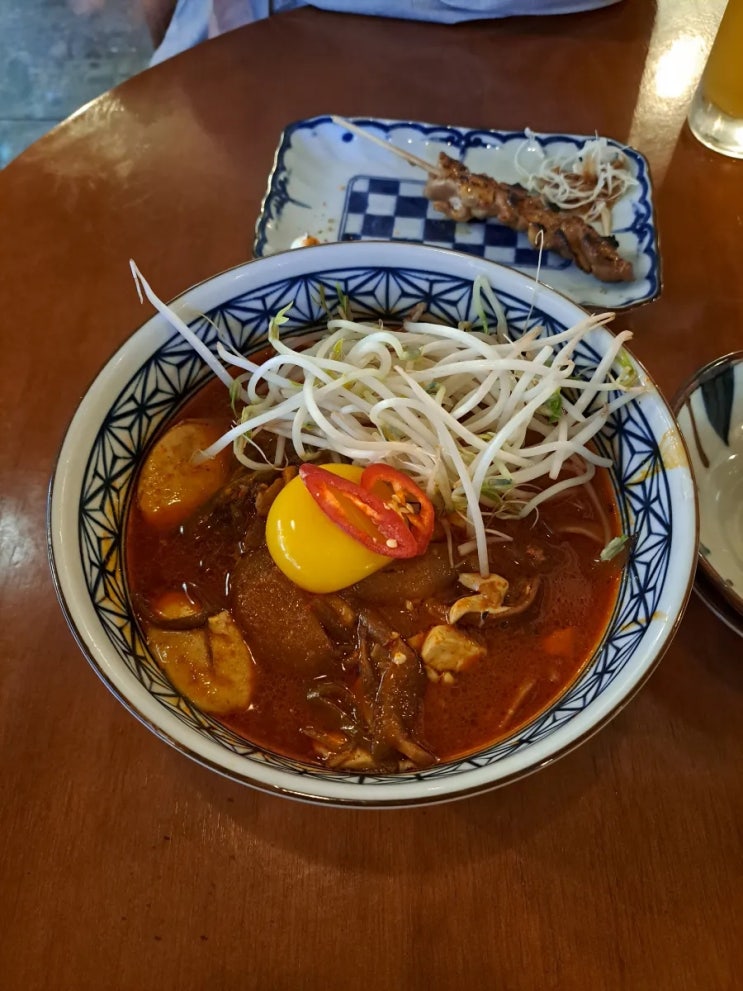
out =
column 171, row 375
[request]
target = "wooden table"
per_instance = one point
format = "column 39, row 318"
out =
column 126, row 866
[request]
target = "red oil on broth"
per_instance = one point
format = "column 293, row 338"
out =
column 318, row 678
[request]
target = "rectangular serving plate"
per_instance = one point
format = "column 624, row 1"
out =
column 336, row 186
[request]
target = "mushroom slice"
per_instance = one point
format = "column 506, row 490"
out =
column 174, row 610
column 491, row 592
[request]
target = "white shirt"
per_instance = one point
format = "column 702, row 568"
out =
column 196, row 20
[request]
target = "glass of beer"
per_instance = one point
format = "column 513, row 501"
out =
column 716, row 113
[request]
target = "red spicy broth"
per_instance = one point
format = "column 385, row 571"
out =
column 532, row 658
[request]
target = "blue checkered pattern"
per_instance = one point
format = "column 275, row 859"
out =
column 397, row 210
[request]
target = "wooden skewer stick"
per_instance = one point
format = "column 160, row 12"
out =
column 401, row 153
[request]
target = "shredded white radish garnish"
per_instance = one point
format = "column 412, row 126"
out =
column 474, row 417
column 589, row 181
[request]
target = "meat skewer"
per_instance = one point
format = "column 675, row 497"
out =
column 464, row 195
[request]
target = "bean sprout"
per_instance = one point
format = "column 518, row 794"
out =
column 588, row 181
column 475, row 418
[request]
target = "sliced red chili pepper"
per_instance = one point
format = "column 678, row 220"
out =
column 378, row 527
column 400, row 493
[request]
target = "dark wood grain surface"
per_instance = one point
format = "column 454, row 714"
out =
column 125, row 866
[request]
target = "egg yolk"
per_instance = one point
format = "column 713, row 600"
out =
column 312, row 550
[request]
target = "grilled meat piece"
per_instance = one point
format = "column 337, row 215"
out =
column 464, row 195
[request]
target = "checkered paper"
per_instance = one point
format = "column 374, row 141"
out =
column 397, row 210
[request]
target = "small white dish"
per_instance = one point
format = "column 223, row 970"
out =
column 336, row 186
column 709, row 410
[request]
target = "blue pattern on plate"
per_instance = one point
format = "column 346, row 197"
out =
column 378, row 207
column 397, row 210
column 171, row 375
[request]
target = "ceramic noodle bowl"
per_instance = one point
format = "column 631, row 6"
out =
column 154, row 373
